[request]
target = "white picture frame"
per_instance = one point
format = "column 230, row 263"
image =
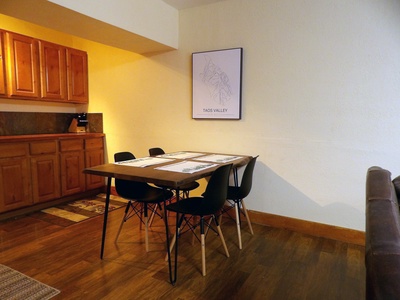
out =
column 217, row 84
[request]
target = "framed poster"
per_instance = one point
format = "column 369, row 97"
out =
column 217, row 84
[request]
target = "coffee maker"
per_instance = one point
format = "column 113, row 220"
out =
column 79, row 123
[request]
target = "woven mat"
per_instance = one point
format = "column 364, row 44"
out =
column 15, row 285
column 78, row 211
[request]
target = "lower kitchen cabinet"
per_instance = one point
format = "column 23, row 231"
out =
column 45, row 171
column 15, row 176
column 72, row 160
column 94, row 156
column 40, row 170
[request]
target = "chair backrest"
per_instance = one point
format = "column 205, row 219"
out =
column 217, row 188
column 121, row 156
column 127, row 188
column 247, row 179
column 156, row 151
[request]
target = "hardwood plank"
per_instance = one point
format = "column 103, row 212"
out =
column 273, row 264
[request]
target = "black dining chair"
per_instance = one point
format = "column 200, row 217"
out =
column 141, row 197
column 208, row 204
column 236, row 195
column 183, row 189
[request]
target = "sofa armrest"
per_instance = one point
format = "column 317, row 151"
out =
column 382, row 236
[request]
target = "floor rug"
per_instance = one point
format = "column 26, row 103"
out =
column 79, row 210
column 15, row 285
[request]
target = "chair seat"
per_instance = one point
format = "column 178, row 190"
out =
column 189, row 186
column 192, row 206
column 185, row 187
column 150, row 195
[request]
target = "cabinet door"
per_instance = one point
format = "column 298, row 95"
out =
column 45, row 178
column 15, row 189
column 72, row 177
column 52, row 71
column 77, row 76
column 2, row 66
column 94, row 158
column 23, row 77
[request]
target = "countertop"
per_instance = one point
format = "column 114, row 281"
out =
column 35, row 137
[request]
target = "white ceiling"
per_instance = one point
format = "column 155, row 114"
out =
column 182, row 4
column 57, row 17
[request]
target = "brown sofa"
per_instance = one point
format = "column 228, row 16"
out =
column 382, row 244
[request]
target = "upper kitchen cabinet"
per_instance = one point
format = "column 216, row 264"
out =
column 77, row 76
column 53, row 71
column 23, row 67
column 34, row 69
column 2, row 66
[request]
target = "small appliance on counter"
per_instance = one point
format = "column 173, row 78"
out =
column 79, row 123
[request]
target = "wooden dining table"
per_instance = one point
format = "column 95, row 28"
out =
column 154, row 174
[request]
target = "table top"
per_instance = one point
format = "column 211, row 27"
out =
column 151, row 174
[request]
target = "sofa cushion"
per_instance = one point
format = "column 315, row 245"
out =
column 382, row 227
column 382, row 235
column 396, row 183
column 379, row 185
column 383, row 276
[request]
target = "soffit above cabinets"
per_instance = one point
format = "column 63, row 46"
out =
column 54, row 16
column 133, row 25
column 182, row 4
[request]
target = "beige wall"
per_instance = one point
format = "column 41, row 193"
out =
column 321, row 85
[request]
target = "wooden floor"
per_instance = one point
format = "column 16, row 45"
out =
column 273, row 264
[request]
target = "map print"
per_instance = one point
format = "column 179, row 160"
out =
column 217, row 81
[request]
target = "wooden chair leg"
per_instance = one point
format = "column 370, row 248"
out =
column 172, row 244
column 222, row 240
column 238, row 225
column 173, row 241
column 146, row 225
column 203, row 254
column 153, row 213
column 206, row 229
column 119, row 229
column 146, row 234
column 141, row 216
column 221, row 236
column 247, row 217
column 203, row 247
column 123, row 221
